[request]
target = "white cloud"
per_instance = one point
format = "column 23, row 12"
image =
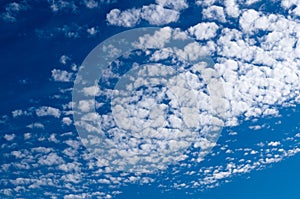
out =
column 91, row 90
column 162, row 13
column 61, row 75
column 157, row 15
column 205, row 2
column 250, row 2
column 251, row 90
column 18, row 113
column 288, row 3
column 127, row 18
column 61, row 5
column 214, row 12
column 92, row 31
column 67, row 121
column 27, row 136
column 36, row 125
column 63, row 59
column 173, row 4
column 158, row 40
column 204, row 31
column 50, row 159
column 194, row 51
column 232, row 8
column 12, row 10
column 91, row 4
column 69, row 167
column 143, row 114
column 47, row 111
column 258, row 77
column 9, row 137
column 86, row 105
column 274, row 144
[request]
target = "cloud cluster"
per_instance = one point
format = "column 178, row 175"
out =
column 61, row 75
column 158, row 113
column 48, row 111
column 162, row 13
column 257, row 62
column 12, row 10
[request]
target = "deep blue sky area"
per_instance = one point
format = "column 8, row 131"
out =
column 279, row 181
column 254, row 45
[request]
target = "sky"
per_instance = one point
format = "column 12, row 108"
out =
column 149, row 99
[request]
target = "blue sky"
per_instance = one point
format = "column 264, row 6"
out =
column 167, row 123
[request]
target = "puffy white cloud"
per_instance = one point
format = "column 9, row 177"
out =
column 158, row 40
column 127, row 18
column 205, row 2
column 140, row 116
column 50, row 159
column 92, row 31
column 259, row 72
column 274, row 144
column 173, row 4
column 63, row 59
column 251, row 91
column 204, row 31
column 232, row 8
column 86, row 105
column 248, row 18
column 91, row 4
column 17, row 113
column 193, row 51
column 9, row 137
column 47, row 111
column 157, row 15
column 61, row 5
column 36, row 125
column 61, row 75
column 70, row 166
column 162, row 13
column 287, row 4
column 67, row 121
column 272, row 83
column 249, row 2
column 214, row 12
column 91, row 90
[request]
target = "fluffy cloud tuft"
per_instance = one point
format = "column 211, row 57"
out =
column 61, row 75
column 48, row 111
column 162, row 13
column 127, row 18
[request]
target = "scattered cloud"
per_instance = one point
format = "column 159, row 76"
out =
column 47, row 111
column 259, row 73
column 204, row 31
column 127, row 18
column 12, row 10
column 162, row 13
column 9, row 137
column 37, row 125
column 61, row 75
column 214, row 13
column 61, row 5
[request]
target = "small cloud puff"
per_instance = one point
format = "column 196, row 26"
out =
column 162, row 13
column 48, row 111
column 61, row 75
